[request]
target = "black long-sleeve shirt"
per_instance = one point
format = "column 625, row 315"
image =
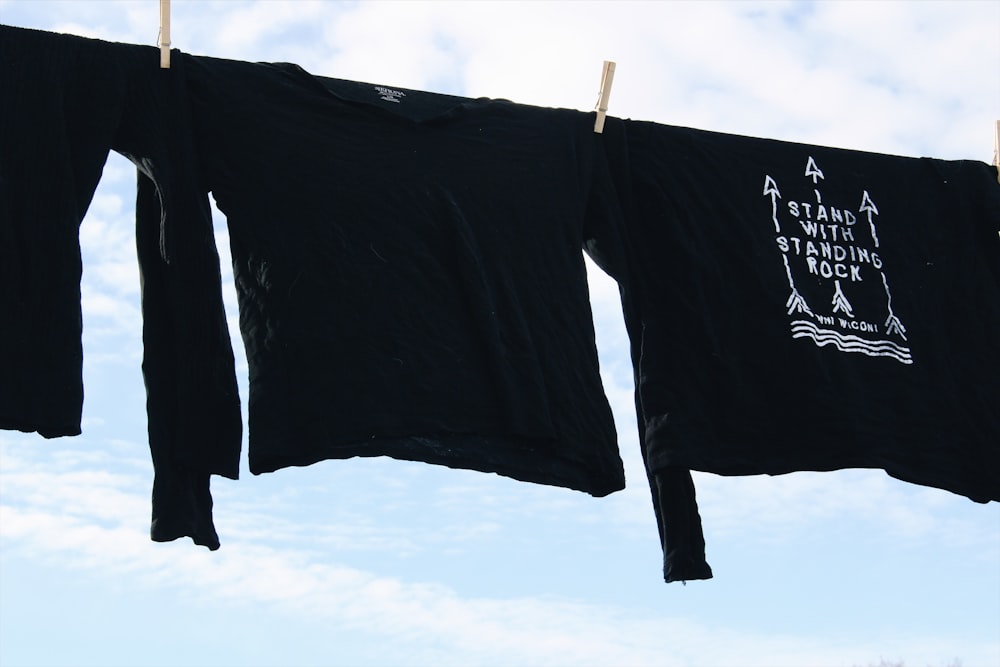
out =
column 68, row 101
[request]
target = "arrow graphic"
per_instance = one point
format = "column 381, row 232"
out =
column 840, row 301
column 795, row 303
column 813, row 170
column 868, row 206
column 892, row 323
column 771, row 188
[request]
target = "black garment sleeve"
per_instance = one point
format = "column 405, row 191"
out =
column 74, row 100
column 675, row 505
column 62, row 101
column 195, row 427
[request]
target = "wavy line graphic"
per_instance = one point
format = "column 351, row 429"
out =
column 850, row 343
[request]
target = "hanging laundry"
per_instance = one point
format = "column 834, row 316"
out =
column 68, row 101
column 795, row 307
column 411, row 284
column 410, row 273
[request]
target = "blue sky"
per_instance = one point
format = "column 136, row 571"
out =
column 382, row 562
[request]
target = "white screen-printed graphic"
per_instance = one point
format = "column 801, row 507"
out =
column 839, row 294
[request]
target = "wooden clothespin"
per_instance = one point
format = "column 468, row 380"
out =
column 996, row 149
column 607, row 76
column 164, row 40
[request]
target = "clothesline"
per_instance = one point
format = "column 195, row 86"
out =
column 607, row 77
column 607, row 71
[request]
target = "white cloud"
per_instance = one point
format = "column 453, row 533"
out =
column 779, row 508
column 431, row 620
column 888, row 77
column 70, row 510
column 239, row 30
column 107, row 238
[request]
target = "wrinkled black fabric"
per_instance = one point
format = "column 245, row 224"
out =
column 68, row 101
column 411, row 285
column 796, row 307
column 672, row 490
column 410, row 274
